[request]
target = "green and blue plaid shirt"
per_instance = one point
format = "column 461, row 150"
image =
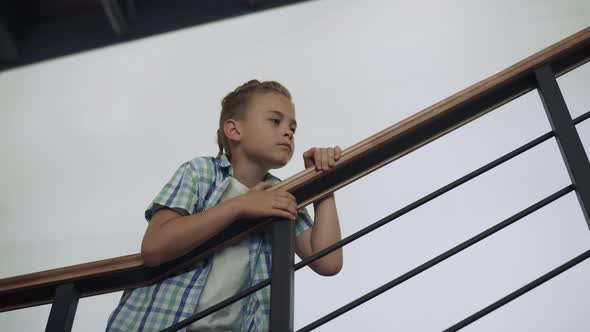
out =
column 197, row 186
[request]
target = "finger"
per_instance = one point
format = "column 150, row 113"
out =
column 317, row 159
column 309, row 153
column 331, row 161
column 290, row 198
column 284, row 214
column 325, row 159
column 337, row 152
column 258, row 186
column 308, row 157
column 285, row 204
column 262, row 186
column 286, row 194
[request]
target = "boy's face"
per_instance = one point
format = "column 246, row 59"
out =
column 268, row 129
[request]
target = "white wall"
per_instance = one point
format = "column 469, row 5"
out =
column 86, row 142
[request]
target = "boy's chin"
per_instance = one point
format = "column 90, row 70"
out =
column 278, row 162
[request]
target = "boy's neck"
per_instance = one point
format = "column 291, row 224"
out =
column 246, row 171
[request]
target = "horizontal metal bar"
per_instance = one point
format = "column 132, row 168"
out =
column 423, row 200
column 521, row 291
column 432, row 262
column 582, row 117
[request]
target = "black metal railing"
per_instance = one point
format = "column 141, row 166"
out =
column 577, row 164
column 425, row 266
column 541, row 77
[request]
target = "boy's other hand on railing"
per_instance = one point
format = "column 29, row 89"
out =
column 322, row 158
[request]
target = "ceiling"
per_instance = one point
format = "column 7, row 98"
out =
column 37, row 30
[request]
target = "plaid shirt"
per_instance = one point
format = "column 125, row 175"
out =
column 197, row 186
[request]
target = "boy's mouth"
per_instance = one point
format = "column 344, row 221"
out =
column 286, row 145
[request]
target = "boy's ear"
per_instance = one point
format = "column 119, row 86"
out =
column 232, row 129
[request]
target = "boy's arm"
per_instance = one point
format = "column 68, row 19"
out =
column 170, row 235
column 324, row 232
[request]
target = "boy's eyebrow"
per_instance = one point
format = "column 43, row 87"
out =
column 282, row 115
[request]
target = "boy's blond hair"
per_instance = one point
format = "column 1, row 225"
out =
column 235, row 106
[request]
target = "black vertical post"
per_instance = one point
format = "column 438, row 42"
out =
column 63, row 310
column 567, row 137
column 282, row 277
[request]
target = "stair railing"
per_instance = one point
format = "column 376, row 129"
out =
column 64, row 286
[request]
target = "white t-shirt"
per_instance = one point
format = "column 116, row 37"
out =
column 228, row 275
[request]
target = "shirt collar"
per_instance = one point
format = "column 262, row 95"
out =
column 225, row 163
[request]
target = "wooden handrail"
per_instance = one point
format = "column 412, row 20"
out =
column 124, row 272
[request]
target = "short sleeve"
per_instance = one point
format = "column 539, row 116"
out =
column 303, row 221
column 180, row 193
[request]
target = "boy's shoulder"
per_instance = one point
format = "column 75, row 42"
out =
column 203, row 159
column 201, row 162
column 201, row 166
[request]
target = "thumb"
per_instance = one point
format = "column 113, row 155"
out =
column 262, row 186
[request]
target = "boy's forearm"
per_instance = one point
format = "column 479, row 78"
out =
column 326, row 231
column 180, row 235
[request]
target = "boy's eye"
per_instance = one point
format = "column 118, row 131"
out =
column 278, row 122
